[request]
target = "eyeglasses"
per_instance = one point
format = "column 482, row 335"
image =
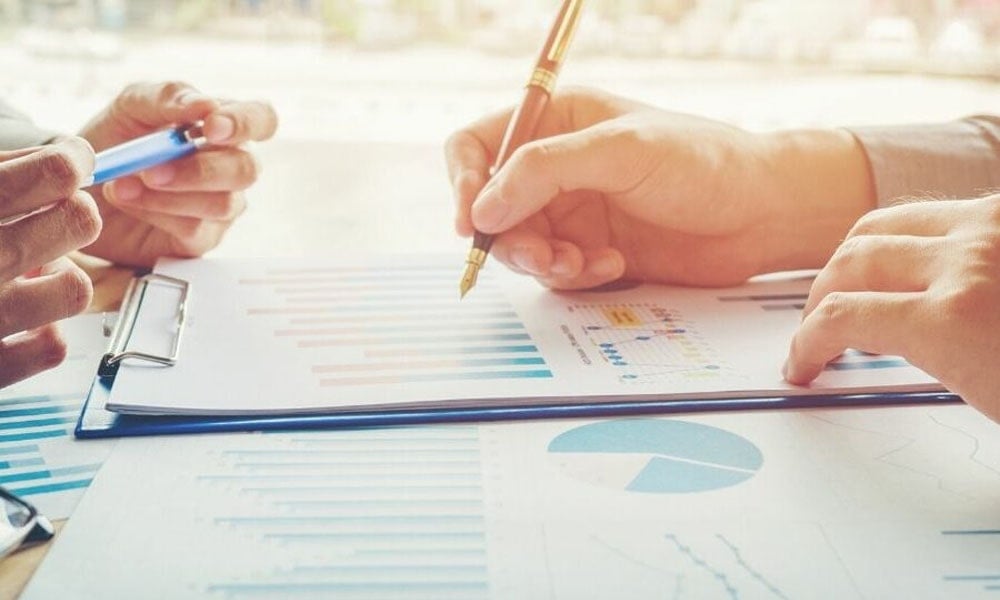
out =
column 20, row 524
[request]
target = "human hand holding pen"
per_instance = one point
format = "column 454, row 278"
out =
column 613, row 189
column 182, row 208
column 43, row 217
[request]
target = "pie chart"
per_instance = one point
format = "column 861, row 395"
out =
column 656, row 456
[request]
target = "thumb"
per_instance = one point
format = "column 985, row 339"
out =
column 602, row 158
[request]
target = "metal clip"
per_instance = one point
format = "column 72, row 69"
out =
column 118, row 350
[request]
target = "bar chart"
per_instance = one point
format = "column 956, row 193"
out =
column 388, row 513
column 24, row 422
column 39, row 459
column 373, row 326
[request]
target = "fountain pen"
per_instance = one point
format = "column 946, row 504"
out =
column 524, row 120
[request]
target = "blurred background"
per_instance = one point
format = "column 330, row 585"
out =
column 378, row 84
column 413, row 69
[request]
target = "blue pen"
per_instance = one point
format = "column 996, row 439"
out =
column 145, row 152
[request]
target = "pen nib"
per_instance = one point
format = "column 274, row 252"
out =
column 468, row 279
column 474, row 262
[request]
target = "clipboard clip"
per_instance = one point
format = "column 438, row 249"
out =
column 118, row 350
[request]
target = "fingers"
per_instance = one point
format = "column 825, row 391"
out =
column 602, row 158
column 61, row 290
column 238, row 122
column 26, row 354
column 230, row 169
column 153, row 105
column 29, row 307
column 922, row 219
column 130, row 193
column 473, row 148
column 469, row 154
column 868, row 294
column 876, row 322
column 42, row 237
column 878, row 263
column 556, row 263
column 36, row 179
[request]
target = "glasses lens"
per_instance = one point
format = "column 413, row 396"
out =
column 16, row 521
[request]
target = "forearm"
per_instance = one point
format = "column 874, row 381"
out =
column 823, row 186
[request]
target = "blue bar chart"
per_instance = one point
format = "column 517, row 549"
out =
column 388, row 513
column 406, row 326
column 25, row 425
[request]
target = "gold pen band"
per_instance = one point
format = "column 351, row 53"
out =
column 477, row 257
column 544, row 79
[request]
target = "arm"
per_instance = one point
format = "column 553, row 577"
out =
column 960, row 159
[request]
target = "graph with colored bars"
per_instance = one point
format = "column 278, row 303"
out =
column 391, row 513
column 400, row 325
column 649, row 343
column 851, row 360
column 35, row 461
column 27, row 426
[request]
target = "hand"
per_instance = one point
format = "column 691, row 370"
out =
column 42, row 218
column 182, row 208
column 918, row 280
column 613, row 189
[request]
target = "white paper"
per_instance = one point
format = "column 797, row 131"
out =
column 280, row 336
column 874, row 503
column 39, row 458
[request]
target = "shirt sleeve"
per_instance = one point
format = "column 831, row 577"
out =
column 17, row 130
column 959, row 159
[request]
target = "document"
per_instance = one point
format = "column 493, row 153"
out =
column 273, row 336
column 39, row 459
column 840, row 504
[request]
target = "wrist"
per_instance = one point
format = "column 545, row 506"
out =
column 822, row 186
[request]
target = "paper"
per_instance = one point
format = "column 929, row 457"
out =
column 39, row 459
column 279, row 336
column 876, row 503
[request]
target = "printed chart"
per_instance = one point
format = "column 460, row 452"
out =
column 657, row 456
column 852, row 360
column 648, row 343
column 390, row 513
column 24, row 424
column 397, row 326
column 39, row 459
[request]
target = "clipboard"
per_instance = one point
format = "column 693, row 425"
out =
column 96, row 421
